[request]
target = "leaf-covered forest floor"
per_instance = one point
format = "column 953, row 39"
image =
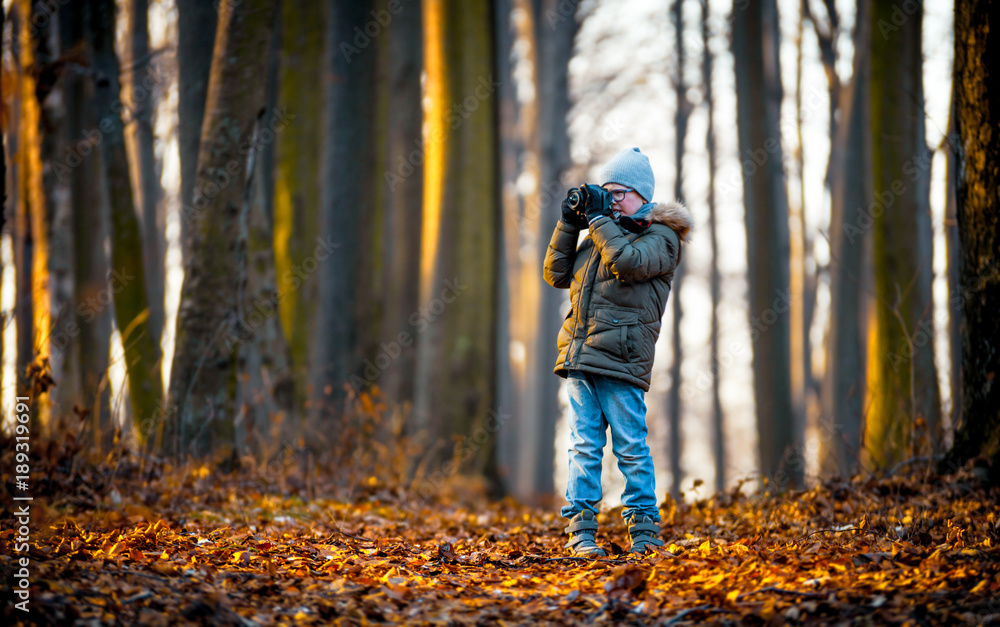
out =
column 127, row 544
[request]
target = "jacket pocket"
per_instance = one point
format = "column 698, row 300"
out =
column 609, row 332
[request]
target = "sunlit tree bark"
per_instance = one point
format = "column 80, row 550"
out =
column 758, row 95
column 203, row 377
column 978, row 212
column 52, row 96
column 457, row 352
column 904, row 408
column 31, row 240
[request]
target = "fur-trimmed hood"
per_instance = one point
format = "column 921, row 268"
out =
column 675, row 215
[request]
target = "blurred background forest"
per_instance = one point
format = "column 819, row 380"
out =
column 283, row 235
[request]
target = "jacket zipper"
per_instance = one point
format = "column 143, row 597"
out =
column 579, row 306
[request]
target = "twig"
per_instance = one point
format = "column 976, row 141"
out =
column 347, row 535
column 142, row 596
column 782, row 591
column 812, row 533
column 698, row 608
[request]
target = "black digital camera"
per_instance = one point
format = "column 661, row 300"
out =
column 587, row 196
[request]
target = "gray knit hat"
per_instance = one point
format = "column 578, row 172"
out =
column 631, row 169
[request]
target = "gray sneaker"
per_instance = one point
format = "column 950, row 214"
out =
column 582, row 530
column 643, row 532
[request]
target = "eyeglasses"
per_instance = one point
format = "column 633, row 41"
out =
column 618, row 195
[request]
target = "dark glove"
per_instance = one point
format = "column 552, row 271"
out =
column 598, row 203
column 572, row 217
column 596, row 210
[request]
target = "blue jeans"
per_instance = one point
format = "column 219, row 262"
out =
column 595, row 402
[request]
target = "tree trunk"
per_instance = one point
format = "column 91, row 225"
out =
column 3, row 202
column 681, row 114
column 554, row 34
column 141, row 344
column 402, row 193
column 265, row 394
column 758, row 95
column 511, row 373
column 797, row 248
column 82, row 328
column 148, row 190
column 348, row 96
column 951, row 149
column 457, row 350
column 374, row 228
column 197, row 22
column 31, row 244
column 297, row 182
column 718, row 420
column 904, row 407
column 978, row 212
column 851, row 183
column 51, row 57
column 203, row 377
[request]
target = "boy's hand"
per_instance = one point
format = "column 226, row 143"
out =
column 595, row 211
column 572, row 217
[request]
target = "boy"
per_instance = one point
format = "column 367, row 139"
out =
column 618, row 279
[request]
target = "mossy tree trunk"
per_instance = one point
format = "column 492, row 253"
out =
column 904, row 402
column 203, row 377
column 268, row 428
column 978, row 210
column 297, row 176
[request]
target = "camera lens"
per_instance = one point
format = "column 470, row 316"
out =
column 575, row 198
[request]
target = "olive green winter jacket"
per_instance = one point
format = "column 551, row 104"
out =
column 618, row 287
